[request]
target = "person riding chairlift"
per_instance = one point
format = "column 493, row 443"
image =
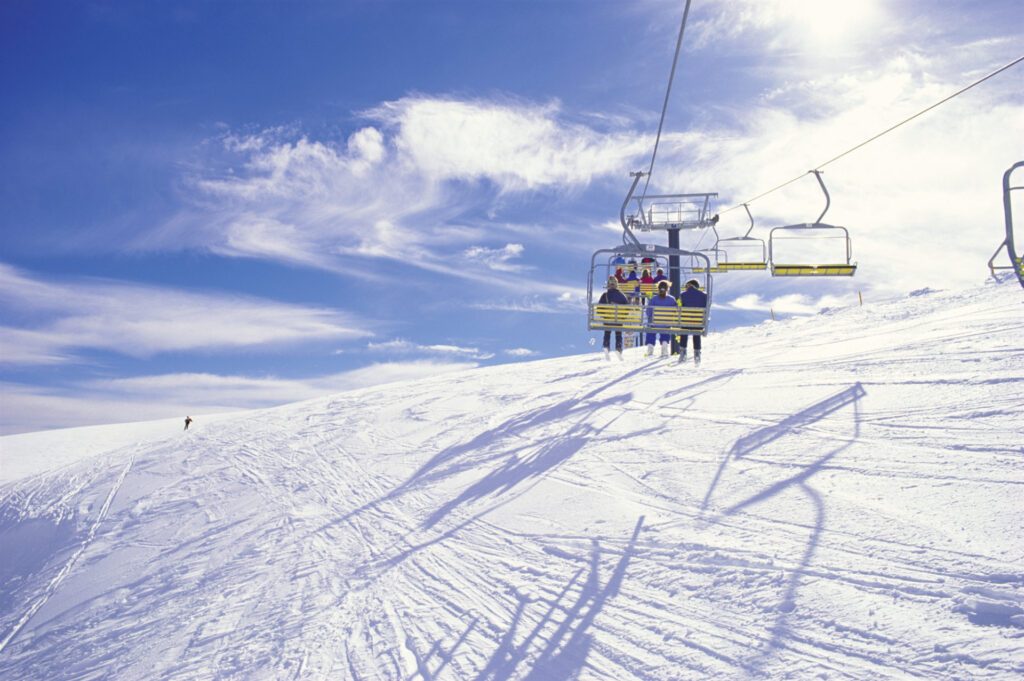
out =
column 613, row 296
column 660, row 276
column 692, row 296
column 632, row 282
column 663, row 299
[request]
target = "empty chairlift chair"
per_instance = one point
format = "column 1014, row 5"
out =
column 816, row 233
column 717, row 261
column 743, row 252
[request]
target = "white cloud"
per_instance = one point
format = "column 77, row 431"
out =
column 564, row 302
column 30, row 408
column 520, row 352
column 497, row 258
column 397, row 188
column 517, row 146
column 789, row 304
column 402, row 346
column 60, row 319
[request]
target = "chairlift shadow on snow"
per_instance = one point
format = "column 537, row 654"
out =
column 690, row 392
column 444, row 656
column 516, row 469
column 458, row 457
column 520, row 423
column 755, row 441
column 564, row 653
column 488, row 485
column 759, row 438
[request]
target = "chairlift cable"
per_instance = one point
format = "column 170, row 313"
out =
column 668, row 91
column 872, row 139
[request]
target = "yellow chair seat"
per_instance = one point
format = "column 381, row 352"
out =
column 678, row 319
column 813, row 270
column 620, row 316
column 729, row 266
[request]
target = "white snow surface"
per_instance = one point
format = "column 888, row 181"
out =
column 831, row 497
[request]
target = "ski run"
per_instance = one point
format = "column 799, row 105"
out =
column 830, row 497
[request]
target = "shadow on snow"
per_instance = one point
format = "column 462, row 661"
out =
column 755, row 441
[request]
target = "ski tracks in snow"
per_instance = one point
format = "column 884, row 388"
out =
column 55, row 583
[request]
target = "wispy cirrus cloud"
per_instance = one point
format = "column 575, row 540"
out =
column 398, row 188
column 564, row 302
column 56, row 321
column 401, row 346
column 499, row 259
column 31, row 407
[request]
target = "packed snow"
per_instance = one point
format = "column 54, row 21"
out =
column 837, row 496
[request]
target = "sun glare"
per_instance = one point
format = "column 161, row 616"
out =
column 832, row 22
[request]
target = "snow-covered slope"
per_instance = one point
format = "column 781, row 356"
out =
column 832, row 497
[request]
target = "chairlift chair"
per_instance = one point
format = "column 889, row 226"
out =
column 737, row 245
column 1016, row 258
column 621, row 259
column 818, row 231
column 637, row 317
column 717, row 259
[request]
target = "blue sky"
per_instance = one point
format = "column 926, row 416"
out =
column 219, row 205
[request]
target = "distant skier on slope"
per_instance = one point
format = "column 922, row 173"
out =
column 663, row 299
column 692, row 297
column 188, row 422
column 613, row 296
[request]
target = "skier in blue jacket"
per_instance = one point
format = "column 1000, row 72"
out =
column 692, row 296
column 613, row 296
column 663, row 299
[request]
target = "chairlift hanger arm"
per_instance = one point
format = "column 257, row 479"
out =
column 828, row 199
column 628, row 237
column 1016, row 258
